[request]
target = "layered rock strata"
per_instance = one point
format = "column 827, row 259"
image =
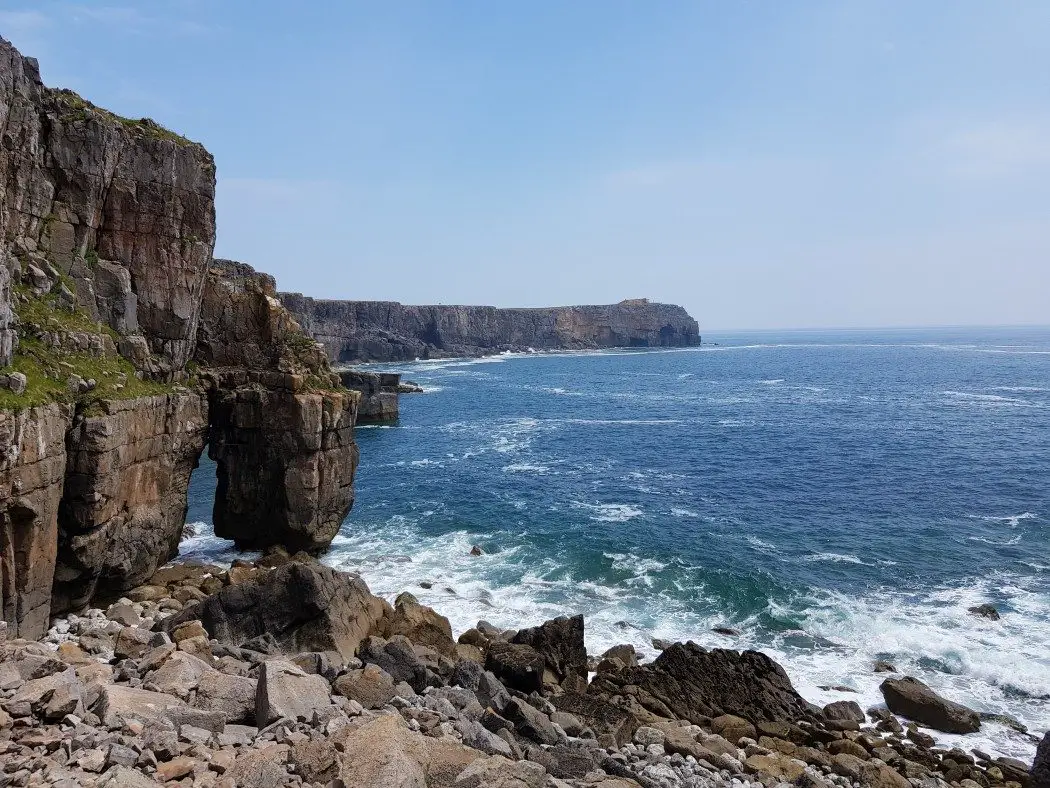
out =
column 281, row 422
column 388, row 331
column 379, row 394
column 124, row 349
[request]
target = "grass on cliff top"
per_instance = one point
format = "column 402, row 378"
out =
column 47, row 370
column 80, row 108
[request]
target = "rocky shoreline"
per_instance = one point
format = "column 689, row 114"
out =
column 284, row 672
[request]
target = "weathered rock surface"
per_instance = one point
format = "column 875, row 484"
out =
column 124, row 502
column 560, row 643
column 282, row 428
column 691, row 683
column 389, row 331
column 304, row 606
column 379, row 394
column 1041, row 764
column 81, row 184
column 913, row 699
column 32, row 466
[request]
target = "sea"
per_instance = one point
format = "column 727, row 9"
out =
column 836, row 497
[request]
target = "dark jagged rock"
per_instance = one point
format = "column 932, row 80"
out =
column 304, row 606
column 517, row 665
column 389, row 331
column 986, row 611
column 1041, row 765
column 696, row 684
column 913, row 699
column 560, row 643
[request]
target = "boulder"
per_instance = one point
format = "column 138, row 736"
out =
column 421, row 625
column 233, row 696
column 371, row 686
column 986, row 611
column 316, row 761
column 911, row 698
column 384, row 752
column 397, row 657
column 517, row 665
column 688, row 682
column 531, row 722
column 844, row 710
column 601, row 715
column 560, row 643
column 262, row 768
column 179, row 675
column 286, row 691
column 499, row 772
column 306, row 607
column 118, row 703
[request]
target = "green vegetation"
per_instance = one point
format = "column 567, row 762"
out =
column 47, row 370
column 76, row 108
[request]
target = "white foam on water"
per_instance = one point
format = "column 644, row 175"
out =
column 1010, row 520
column 837, row 558
column 762, row 547
column 679, row 512
column 772, row 382
column 829, row 639
column 609, row 512
column 996, row 542
column 523, row 467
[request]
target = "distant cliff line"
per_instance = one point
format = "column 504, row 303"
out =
column 360, row 331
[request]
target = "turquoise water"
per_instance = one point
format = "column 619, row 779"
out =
column 837, row 497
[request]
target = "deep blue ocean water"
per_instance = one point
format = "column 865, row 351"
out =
column 838, row 497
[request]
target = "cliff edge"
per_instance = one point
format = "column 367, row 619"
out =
column 125, row 350
column 358, row 331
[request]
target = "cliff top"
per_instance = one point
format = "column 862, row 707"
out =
column 629, row 303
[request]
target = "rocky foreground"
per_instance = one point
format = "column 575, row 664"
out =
column 288, row 673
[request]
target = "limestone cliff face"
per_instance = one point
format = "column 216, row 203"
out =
column 389, row 331
column 379, row 393
column 282, row 425
column 106, row 286
column 32, row 466
column 123, row 209
column 124, row 499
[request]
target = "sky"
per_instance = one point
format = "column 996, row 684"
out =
column 765, row 164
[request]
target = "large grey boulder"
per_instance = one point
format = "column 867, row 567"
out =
column 118, row 703
column 233, row 696
column 285, row 691
column 304, row 606
column 911, row 698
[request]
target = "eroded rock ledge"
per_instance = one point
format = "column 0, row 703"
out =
column 358, row 331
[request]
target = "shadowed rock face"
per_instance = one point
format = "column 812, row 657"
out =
column 389, row 331
column 693, row 683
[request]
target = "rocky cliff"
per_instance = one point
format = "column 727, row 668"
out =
column 389, row 331
column 124, row 349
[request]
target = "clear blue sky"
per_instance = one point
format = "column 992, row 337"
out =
column 765, row 164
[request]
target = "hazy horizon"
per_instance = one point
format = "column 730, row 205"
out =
column 808, row 166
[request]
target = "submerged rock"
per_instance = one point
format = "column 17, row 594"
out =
column 986, row 611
